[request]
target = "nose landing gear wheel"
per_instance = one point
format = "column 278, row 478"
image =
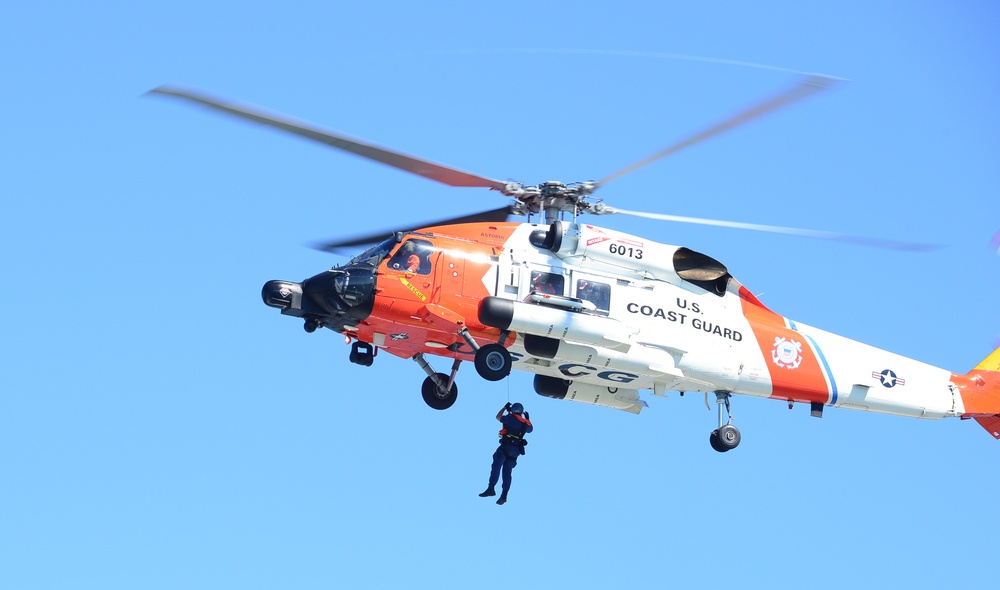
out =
column 493, row 362
column 437, row 398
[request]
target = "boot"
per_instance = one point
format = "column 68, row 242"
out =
column 489, row 492
column 502, row 499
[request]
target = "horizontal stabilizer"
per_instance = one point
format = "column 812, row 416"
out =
column 992, row 425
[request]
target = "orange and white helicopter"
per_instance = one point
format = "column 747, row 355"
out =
column 598, row 316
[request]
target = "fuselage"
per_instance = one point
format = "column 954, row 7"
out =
column 601, row 316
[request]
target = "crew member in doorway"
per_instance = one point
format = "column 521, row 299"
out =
column 515, row 425
column 543, row 282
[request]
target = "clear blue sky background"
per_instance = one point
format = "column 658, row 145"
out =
column 161, row 428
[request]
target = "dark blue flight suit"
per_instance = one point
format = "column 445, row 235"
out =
column 511, row 447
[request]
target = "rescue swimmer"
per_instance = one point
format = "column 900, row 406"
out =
column 516, row 424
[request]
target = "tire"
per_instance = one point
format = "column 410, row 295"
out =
column 436, row 398
column 713, row 439
column 729, row 436
column 493, row 362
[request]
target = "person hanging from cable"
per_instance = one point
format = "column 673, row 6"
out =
column 516, row 424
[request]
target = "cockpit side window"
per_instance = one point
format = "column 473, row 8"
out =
column 413, row 256
column 547, row 283
column 597, row 293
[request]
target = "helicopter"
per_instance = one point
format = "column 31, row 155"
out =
column 597, row 315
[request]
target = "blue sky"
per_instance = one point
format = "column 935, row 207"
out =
column 161, row 428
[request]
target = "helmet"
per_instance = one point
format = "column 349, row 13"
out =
column 516, row 409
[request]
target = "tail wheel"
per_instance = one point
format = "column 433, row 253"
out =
column 727, row 436
column 493, row 362
column 436, row 397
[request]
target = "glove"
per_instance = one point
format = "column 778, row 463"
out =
column 507, row 407
column 526, row 416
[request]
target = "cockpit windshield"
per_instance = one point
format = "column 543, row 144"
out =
column 373, row 256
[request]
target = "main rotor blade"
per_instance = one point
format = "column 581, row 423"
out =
column 427, row 169
column 807, row 233
column 493, row 215
column 802, row 89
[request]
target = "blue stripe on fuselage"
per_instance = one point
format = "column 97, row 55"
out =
column 822, row 359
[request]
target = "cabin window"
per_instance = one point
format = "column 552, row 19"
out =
column 597, row 293
column 547, row 283
column 413, row 256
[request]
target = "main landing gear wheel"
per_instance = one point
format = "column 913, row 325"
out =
column 493, row 362
column 724, row 439
column 436, row 397
column 713, row 439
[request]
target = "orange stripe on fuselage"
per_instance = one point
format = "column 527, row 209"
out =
column 795, row 369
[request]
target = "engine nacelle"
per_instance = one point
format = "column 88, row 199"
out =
column 623, row 251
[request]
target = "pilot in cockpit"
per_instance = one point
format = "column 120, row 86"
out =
column 412, row 257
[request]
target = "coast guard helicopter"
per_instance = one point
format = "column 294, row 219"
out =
column 598, row 316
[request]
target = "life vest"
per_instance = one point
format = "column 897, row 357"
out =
column 517, row 438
